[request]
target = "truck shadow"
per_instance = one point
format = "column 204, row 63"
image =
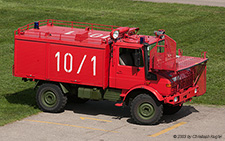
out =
column 94, row 108
column 99, row 107
column 185, row 111
column 25, row 97
column 107, row 108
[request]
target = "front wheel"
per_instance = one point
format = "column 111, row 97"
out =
column 50, row 98
column 146, row 110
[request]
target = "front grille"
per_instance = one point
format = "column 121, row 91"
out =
column 186, row 79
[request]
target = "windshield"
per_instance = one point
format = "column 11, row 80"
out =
column 150, row 51
column 148, row 54
column 161, row 55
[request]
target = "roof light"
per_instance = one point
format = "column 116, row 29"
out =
column 115, row 34
column 142, row 40
column 160, row 33
column 36, row 25
column 119, row 32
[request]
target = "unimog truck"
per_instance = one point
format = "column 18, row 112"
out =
column 86, row 61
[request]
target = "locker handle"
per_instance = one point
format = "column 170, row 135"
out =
column 119, row 72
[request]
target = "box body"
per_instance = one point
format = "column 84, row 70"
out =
column 61, row 61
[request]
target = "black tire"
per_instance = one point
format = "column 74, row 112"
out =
column 170, row 109
column 49, row 98
column 146, row 109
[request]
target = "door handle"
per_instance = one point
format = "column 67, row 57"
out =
column 119, row 72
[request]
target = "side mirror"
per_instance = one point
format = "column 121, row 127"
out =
column 137, row 59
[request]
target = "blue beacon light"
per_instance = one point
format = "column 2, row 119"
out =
column 36, row 25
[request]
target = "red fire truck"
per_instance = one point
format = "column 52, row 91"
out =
column 103, row 62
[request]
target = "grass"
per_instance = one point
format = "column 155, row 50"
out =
column 195, row 28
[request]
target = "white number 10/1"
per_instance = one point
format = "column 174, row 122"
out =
column 57, row 55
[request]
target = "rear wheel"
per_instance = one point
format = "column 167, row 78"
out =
column 50, row 98
column 146, row 110
column 170, row 109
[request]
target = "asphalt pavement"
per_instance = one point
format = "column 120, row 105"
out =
column 219, row 3
column 102, row 121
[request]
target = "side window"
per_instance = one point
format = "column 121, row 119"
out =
column 150, row 47
column 161, row 49
column 127, row 57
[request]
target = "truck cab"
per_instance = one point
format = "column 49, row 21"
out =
column 140, row 71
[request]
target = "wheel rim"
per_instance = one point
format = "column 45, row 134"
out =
column 146, row 111
column 49, row 99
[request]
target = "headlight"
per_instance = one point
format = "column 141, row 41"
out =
column 115, row 34
column 175, row 99
column 196, row 90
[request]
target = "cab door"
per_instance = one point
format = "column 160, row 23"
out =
column 127, row 74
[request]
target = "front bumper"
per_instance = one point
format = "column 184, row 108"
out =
column 182, row 97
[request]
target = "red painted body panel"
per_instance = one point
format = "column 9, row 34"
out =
column 30, row 59
column 128, row 76
column 160, row 85
column 182, row 97
column 62, row 60
column 150, row 89
column 90, row 57
column 202, row 82
column 85, row 76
